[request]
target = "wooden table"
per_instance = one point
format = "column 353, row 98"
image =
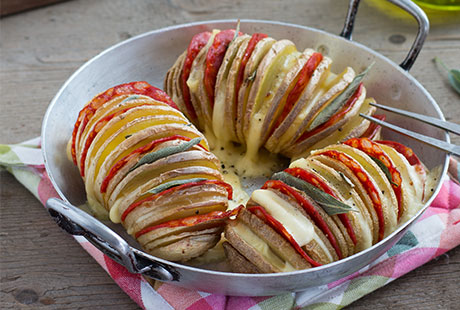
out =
column 42, row 267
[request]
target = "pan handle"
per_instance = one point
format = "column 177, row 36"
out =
column 408, row 6
column 77, row 222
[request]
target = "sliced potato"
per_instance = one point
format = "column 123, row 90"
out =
column 250, row 73
column 300, row 147
column 270, row 72
column 220, row 114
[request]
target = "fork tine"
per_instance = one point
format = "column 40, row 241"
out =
column 427, row 119
column 447, row 147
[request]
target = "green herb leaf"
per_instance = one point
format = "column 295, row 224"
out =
column 454, row 79
column 252, row 77
column 330, row 204
column 170, row 150
column 346, row 179
column 132, row 97
column 167, row 185
column 453, row 75
column 384, row 169
column 237, row 31
column 338, row 101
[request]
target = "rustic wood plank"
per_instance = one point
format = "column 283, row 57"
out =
column 42, row 267
column 15, row 6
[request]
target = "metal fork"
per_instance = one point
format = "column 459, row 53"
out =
column 442, row 145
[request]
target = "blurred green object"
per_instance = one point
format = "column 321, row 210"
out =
column 444, row 5
column 452, row 74
column 440, row 12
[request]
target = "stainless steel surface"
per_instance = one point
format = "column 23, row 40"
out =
column 77, row 222
column 442, row 145
column 408, row 6
column 455, row 128
column 149, row 56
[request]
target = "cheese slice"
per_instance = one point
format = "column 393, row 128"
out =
column 298, row 226
column 348, row 194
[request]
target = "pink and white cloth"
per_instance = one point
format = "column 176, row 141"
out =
column 436, row 232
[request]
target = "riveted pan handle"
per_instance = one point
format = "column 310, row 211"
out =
column 77, row 222
column 408, row 6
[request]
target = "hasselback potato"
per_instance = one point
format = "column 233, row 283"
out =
column 262, row 92
column 146, row 166
column 338, row 201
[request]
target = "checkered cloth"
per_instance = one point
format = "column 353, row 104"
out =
column 436, row 232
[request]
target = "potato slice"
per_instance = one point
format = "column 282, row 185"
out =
column 263, row 111
column 231, row 96
column 302, row 106
column 386, row 193
column 138, row 180
column 178, row 204
column 300, row 147
column 411, row 186
column 125, row 169
column 258, row 55
column 270, row 73
column 111, row 136
column 279, row 99
column 102, row 166
column 200, row 100
column 261, row 245
column 354, row 128
column 175, row 238
column 222, row 104
column 237, row 261
column 120, row 203
column 329, row 87
column 172, row 84
column 190, row 246
column 364, row 230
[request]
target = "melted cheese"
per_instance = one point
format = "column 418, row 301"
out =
column 349, row 195
column 262, row 248
column 298, row 226
column 234, row 163
column 97, row 209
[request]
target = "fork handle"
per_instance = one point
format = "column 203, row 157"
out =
column 408, row 6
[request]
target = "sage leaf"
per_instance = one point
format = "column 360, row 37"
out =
column 252, row 77
column 237, row 31
column 453, row 75
column 330, row 204
column 167, row 151
column 132, row 97
column 384, row 169
column 346, row 179
column 454, row 79
column 339, row 101
column 167, row 185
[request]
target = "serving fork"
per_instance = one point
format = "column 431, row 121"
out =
column 442, row 145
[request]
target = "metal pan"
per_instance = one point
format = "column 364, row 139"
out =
column 148, row 57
